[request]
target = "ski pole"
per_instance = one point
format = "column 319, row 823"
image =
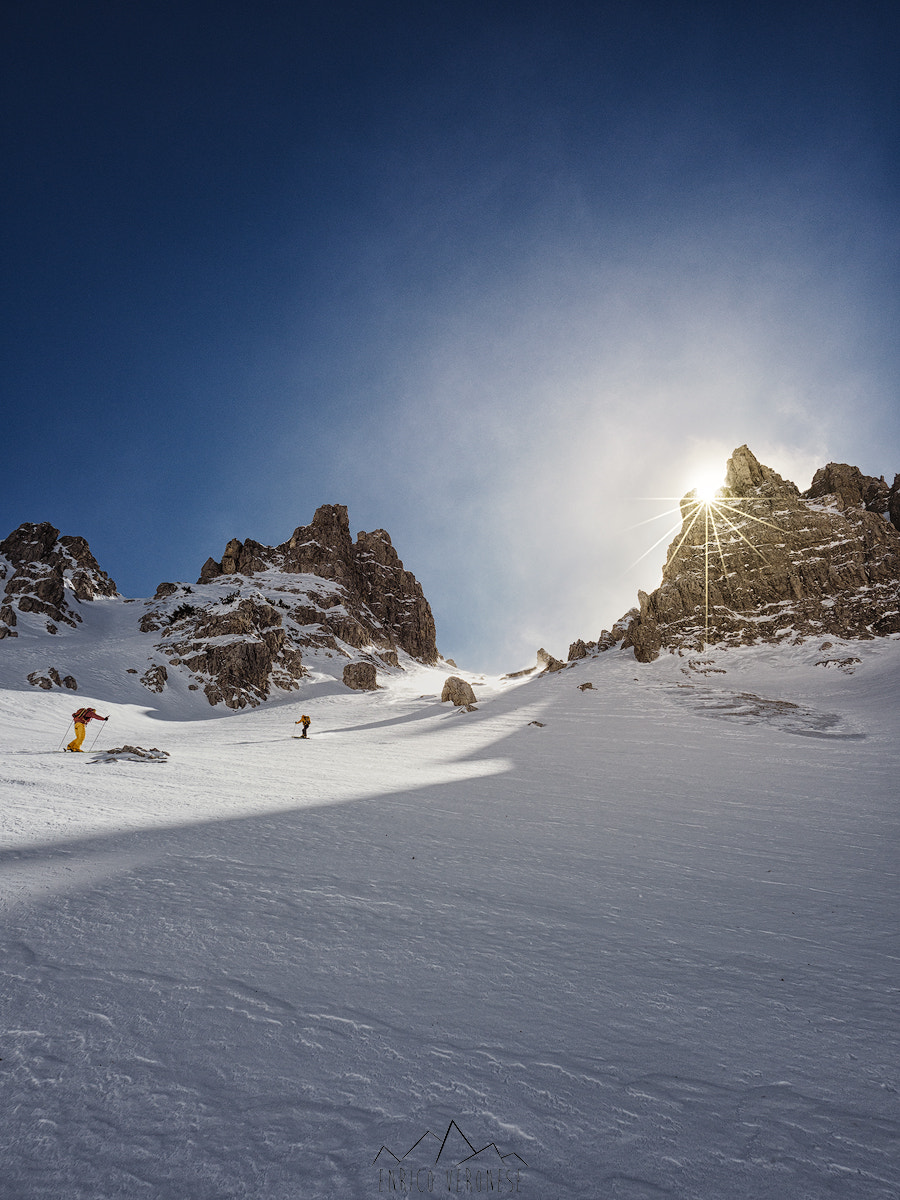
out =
column 65, row 735
column 96, row 735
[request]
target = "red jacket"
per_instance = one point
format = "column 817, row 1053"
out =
column 83, row 715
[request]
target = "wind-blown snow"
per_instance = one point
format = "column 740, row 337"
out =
column 648, row 946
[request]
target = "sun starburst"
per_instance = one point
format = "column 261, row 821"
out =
column 712, row 511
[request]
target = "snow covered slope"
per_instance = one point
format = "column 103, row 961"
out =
column 628, row 941
column 238, row 637
column 119, row 647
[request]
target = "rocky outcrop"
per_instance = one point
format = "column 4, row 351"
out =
column 546, row 661
column 234, row 648
column 49, row 576
column 762, row 562
column 644, row 633
column 133, row 754
column 154, row 678
column 51, row 679
column 240, row 634
column 458, row 692
column 243, row 651
column 378, row 602
column 244, row 628
column 849, row 489
column 606, row 641
column 360, row 676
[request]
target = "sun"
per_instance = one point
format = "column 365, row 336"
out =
column 707, row 486
column 717, row 518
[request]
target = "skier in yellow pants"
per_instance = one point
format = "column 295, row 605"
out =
column 81, row 718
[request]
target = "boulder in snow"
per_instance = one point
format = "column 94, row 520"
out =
column 457, row 691
column 360, row 676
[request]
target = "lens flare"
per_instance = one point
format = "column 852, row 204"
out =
column 707, row 486
column 705, row 509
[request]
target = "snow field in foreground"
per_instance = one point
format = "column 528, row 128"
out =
column 649, row 947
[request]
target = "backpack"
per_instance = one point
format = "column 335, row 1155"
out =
column 80, row 714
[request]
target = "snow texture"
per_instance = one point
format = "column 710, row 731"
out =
column 631, row 941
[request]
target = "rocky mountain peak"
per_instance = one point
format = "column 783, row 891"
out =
column 242, row 631
column 43, row 573
column 764, row 563
column 851, row 489
column 745, row 475
column 381, row 603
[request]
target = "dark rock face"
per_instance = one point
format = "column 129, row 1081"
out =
column 233, row 647
column 380, row 603
column 43, row 572
column 644, row 633
column 361, row 676
column 765, row 563
column 154, row 678
column 236, row 654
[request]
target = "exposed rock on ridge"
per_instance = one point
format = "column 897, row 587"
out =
column 382, row 603
column 780, row 564
column 234, row 648
column 44, row 573
column 606, row 641
column 241, row 632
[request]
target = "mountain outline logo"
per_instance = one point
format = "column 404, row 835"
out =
column 453, row 1150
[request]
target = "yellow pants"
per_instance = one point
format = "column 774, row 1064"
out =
column 76, row 741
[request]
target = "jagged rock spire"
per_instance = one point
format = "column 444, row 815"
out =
column 382, row 598
column 774, row 564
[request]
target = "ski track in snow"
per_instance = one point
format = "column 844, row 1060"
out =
column 651, row 953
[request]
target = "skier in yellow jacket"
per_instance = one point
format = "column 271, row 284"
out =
column 304, row 721
column 81, row 718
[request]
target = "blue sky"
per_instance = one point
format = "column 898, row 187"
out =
column 499, row 277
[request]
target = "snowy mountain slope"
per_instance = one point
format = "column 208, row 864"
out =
column 238, row 637
column 119, row 644
column 648, row 945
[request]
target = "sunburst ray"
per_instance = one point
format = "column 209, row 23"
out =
column 717, row 512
